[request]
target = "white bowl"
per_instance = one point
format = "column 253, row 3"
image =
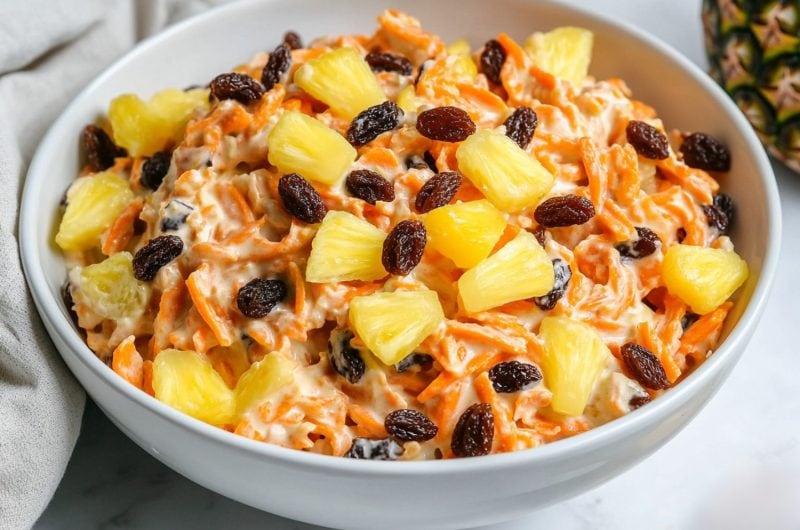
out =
column 363, row 494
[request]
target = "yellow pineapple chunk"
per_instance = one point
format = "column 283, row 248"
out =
column 508, row 176
column 343, row 80
column 346, row 248
column 574, row 356
column 459, row 47
column 93, row 204
column 110, row 288
column 519, row 270
column 262, row 379
column 564, row 52
column 302, row 144
column 393, row 324
column 702, row 277
column 186, row 381
column 465, row 232
column 144, row 128
column 407, row 99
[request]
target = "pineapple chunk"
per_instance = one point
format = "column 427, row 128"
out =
column 186, row 381
column 144, row 128
column 407, row 99
column 345, row 248
column 519, row 270
column 574, row 356
column 343, row 80
column 459, row 47
column 508, row 176
column 465, row 232
column 302, row 144
column 262, row 379
column 110, row 288
column 703, row 277
column 93, row 203
column 563, row 52
column 393, row 324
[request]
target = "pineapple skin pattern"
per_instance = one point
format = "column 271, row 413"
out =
column 753, row 49
column 346, row 343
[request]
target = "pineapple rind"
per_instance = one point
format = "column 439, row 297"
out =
column 346, row 248
column 519, row 270
column 564, row 52
column 392, row 324
column 465, row 232
column 262, row 379
column 703, row 277
column 508, row 176
column 110, row 288
column 574, row 357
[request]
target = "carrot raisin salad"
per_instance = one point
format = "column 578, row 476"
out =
column 387, row 247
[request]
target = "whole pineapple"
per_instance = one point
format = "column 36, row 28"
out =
column 754, row 53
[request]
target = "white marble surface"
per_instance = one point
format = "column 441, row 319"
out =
column 737, row 465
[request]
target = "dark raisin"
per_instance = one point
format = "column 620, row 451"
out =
column 292, row 40
column 154, row 169
column 689, row 319
column 474, row 431
column 300, row 199
column 428, row 158
column 725, row 203
column 389, row 62
column 716, row 218
column 644, row 366
column 705, row 152
column 438, row 191
column 344, row 358
column 521, row 125
column 562, row 274
column 69, row 302
column 258, row 297
column 564, row 210
column 513, row 376
column 403, row 247
column 648, row 141
column 423, row 360
column 680, row 234
column 279, row 62
column 638, row 400
column 100, row 148
column 647, row 243
column 240, row 87
column 155, row 254
column 409, row 425
column 383, row 449
column 374, row 121
column 369, row 186
column 175, row 214
column 446, row 124
column 492, row 58
column 139, row 227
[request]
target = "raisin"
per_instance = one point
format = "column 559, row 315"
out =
column 240, row 87
column 680, row 234
column 422, row 360
column 521, row 125
column 564, row 210
column 292, row 40
column 492, row 58
column 278, row 64
column 100, row 148
column 258, row 297
column 474, row 431
column 513, row 376
column 300, row 199
column 403, row 247
column 725, row 203
column 69, row 303
column 428, row 158
column 426, row 161
column 644, row 366
column 562, row 274
column 705, row 152
column 410, row 425
column 638, row 400
column 175, row 214
column 154, row 169
column 648, row 141
column 389, row 62
column 369, row 186
column 345, row 359
column 374, row 121
column 366, row 449
column 446, row 124
column 720, row 213
column 155, row 254
column 438, row 191
column 647, row 243
column 688, row 319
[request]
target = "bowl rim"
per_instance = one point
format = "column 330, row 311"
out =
column 48, row 305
